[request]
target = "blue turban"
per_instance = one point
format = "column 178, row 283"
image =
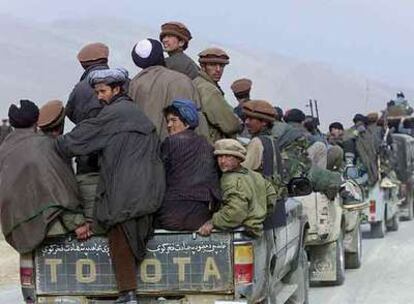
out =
column 188, row 111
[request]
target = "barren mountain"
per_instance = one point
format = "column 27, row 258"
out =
column 39, row 62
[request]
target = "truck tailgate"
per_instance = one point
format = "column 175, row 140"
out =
column 176, row 263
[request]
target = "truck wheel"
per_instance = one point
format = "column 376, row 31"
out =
column 340, row 263
column 300, row 277
column 378, row 229
column 353, row 260
column 394, row 223
column 410, row 209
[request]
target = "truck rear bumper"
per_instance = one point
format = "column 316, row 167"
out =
column 194, row 299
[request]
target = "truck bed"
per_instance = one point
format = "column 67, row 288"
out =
column 176, row 262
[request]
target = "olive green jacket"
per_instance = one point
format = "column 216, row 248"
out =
column 247, row 199
column 222, row 122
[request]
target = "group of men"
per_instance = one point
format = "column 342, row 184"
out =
column 157, row 150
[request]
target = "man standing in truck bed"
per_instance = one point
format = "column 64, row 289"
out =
column 222, row 122
column 132, row 181
column 175, row 37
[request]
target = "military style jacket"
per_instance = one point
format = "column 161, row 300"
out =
column 182, row 63
column 222, row 122
column 247, row 199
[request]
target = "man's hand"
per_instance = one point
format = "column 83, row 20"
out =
column 206, row 229
column 83, row 232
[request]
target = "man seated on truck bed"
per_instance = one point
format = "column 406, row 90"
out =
column 193, row 189
column 247, row 196
column 37, row 186
column 51, row 122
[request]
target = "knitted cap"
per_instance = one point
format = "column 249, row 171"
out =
column 147, row 53
column 24, row 116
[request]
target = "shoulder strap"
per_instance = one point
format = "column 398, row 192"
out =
column 272, row 159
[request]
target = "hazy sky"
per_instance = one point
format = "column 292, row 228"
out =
column 374, row 37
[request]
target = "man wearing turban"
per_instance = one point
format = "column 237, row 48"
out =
column 131, row 177
column 193, row 190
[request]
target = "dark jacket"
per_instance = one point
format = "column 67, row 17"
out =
column 83, row 104
column 182, row 63
column 193, row 188
column 132, row 181
column 36, row 187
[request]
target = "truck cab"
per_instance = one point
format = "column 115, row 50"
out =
column 180, row 267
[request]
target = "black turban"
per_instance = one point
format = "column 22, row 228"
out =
column 24, row 116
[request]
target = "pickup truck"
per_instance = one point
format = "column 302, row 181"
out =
column 383, row 208
column 180, row 267
column 333, row 241
column 404, row 168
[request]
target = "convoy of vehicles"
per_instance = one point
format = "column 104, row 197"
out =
column 308, row 240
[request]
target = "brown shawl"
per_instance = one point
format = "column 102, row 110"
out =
column 36, row 185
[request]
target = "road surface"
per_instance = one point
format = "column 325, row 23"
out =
column 386, row 276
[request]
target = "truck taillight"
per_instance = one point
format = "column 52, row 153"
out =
column 26, row 276
column 26, row 269
column 243, row 263
column 372, row 206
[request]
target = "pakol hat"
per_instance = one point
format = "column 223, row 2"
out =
column 51, row 114
column 93, row 51
column 147, row 53
column 241, row 86
column 260, row 109
column 176, row 29
column 213, row 55
column 229, row 147
column 372, row 117
column 24, row 116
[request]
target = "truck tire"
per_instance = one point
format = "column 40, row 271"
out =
column 378, row 229
column 340, row 263
column 394, row 223
column 353, row 260
column 410, row 209
column 300, row 277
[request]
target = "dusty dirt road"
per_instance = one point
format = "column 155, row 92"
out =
column 386, row 276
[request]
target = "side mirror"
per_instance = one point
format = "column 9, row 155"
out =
column 299, row 186
column 351, row 172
